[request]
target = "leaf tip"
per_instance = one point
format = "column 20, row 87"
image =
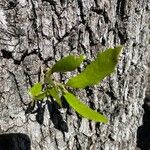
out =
column 119, row 48
column 106, row 120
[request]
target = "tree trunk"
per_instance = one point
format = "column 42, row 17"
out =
column 37, row 33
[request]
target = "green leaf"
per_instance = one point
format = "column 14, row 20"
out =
column 35, row 90
column 55, row 93
column 83, row 109
column 48, row 77
column 41, row 96
column 101, row 67
column 68, row 63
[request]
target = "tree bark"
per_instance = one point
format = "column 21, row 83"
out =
column 37, row 33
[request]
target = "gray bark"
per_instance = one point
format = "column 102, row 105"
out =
column 34, row 34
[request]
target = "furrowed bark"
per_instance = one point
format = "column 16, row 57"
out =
column 36, row 34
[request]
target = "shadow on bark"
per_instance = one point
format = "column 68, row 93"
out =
column 39, row 111
column 15, row 141
column 143, row 133
column 55, row 114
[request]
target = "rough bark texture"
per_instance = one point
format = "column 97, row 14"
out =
column 35, row 34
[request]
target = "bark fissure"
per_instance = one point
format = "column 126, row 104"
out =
column 17, row 86
column 36, row 34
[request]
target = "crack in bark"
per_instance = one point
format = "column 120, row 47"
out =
column 80, row 4
column 17, row 86
column 89, row 93
column 34, row 23
column 91, row 35
column 53, row 4
column 9, row 55
column 121, row 24
column 121, row 6
column 96, row 3
column 78, row 146
column 102, row 12
column 27, row 77
column 60, row 39
column 120, row 31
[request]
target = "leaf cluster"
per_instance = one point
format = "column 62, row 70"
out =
column 95, row 72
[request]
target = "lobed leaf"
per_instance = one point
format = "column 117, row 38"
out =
column 68, row 63
column 83, row 109
column 101, row 67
